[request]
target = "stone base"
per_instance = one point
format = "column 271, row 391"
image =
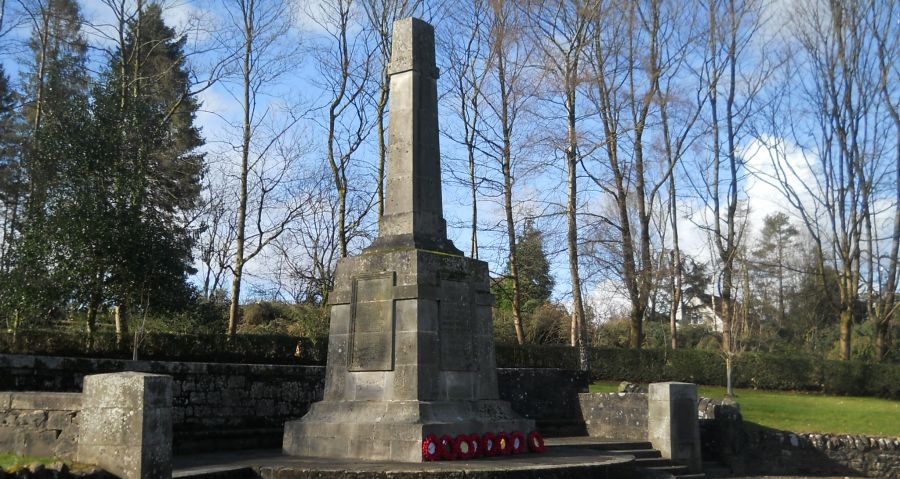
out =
column 392, row 430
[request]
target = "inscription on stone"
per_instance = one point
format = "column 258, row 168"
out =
column 372, row 324
column 456, row 327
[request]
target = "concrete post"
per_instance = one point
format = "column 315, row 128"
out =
column 672, row 423
column 126, row 424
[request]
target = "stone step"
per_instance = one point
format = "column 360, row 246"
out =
column 596, row 443
column 561, row 427
column 715, row 469
column 637, row 453
column 217, row 472
column 653, row 461
column 674, row 469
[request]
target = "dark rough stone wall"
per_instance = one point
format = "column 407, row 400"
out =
column 549, row 396
column 230, row 406
column 215, row 406
column 750, row 449
column 615, row 415
column 39, row 423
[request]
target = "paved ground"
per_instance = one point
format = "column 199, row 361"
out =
column 556, row 460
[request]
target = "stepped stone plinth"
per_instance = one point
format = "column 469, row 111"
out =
column 411, row 349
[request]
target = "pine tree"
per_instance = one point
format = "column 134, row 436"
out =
column 10, row 169
column 535, row 281
column 57, row 75
column 160, row 169
column 776, row 239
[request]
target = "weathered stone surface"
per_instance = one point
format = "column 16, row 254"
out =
column 126, row 424
column 764, row 451
column 615, row 415
column 672, row 422
column 215, row 406
column 411, row 344
column 39, row 423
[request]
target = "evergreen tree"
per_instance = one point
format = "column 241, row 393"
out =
column 10, row 169
column 59, row 54
column 156, row 75
column 148, row 100
column 772, row 254
column 535, row 280
column 56, row 75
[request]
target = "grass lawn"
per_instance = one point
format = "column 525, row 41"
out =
column 806, row 412
column 9, row 460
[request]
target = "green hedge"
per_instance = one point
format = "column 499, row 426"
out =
column 242, row 348
column 536, row 356
column 751, row 370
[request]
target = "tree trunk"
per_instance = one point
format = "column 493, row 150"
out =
column 676, row 294
column 121, row 319
column 382, row 146
column 846, row 331
column 234, row 310
column 882, row 341
column 507, row 189
column 636, row 332
column 474, row 198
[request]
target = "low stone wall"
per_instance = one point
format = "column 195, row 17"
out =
column 751, row 449
column 39, row 424
column 549, row 396
column 228, row 406
column 775, row 452
column 214, row 405
column 615, row 415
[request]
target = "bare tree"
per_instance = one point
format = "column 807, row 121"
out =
column 345, row 70
column 678, row 115
column 883, row 305
column 509, row 67
column 468, row 72
column 562, row 31
column 309, row 251
column 733, row 82
column 260, row 31
column 216, row 232
column 630, row 58
column 839, row 157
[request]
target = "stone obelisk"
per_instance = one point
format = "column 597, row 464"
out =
column 411, row 349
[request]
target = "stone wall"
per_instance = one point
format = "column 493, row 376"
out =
column 214, row 405
column 751, row 449
column 39, row 424
column 615, row 415
column 228, row 406
column 549, row 396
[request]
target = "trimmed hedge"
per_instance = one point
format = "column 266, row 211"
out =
column 751, row 370
column 536, row 356
column 241, row 348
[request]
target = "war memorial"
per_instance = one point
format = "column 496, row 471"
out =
column 410, row 388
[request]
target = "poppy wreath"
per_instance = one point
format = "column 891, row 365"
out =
column 475, row 445
column 504, row 445
column 448, row 451
column 463, row 447
column 536, row 442
column 431, row 448
column 489, row 445
column 517, row 442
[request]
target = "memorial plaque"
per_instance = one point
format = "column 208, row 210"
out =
column 372, row 324
column 455, row 318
